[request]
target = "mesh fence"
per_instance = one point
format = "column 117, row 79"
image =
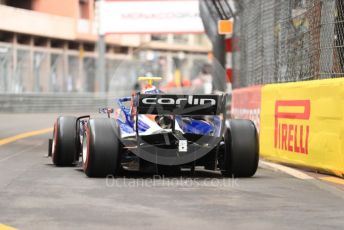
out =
column 26, row 69
column 287, row 40
column 44, row 71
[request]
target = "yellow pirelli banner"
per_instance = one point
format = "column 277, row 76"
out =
column 302, row 123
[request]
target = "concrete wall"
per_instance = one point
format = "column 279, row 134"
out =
column 36, row 23
column 301, row 123
column 66, row 8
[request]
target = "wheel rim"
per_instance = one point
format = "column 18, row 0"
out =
column 84, row 150
column 53, row 147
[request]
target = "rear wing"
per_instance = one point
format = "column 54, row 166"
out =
column 171, row 104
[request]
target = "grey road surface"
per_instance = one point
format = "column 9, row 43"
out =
column 36, row 195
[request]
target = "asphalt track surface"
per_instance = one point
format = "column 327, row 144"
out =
column 36, row 195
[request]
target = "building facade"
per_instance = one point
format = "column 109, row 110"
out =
column 51, row 46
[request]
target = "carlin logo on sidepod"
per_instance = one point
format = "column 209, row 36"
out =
column 290, row 135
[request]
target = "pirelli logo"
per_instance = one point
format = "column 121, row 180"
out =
column 291, row 135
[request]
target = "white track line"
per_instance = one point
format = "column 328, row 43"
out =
column 290, row 171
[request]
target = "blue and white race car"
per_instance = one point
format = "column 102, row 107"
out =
column 153, row 131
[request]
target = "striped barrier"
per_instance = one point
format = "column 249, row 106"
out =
column 246, row 103
column 302, row 124
column 229, row 53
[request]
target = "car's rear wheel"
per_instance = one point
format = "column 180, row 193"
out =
column 101, row 148
column 64, row 147
column 240, row 154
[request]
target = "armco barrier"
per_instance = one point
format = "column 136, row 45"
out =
column 302, row 123
column 56, row 102
column 246, row 103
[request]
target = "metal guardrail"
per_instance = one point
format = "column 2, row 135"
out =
column 67, row 102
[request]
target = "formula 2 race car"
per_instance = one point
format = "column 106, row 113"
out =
column 153, row 131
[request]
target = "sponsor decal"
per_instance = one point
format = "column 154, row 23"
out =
column 191, row 100
column 246, row 104
column 159, row 16
column 179, row 104
column 250, row 114
column 149, row 16
column 290, row 135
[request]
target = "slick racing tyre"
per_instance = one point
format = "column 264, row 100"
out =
column 240, row 154
column 102, row 148
column 64, row 146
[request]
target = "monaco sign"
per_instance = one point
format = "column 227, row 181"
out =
column 149, row 17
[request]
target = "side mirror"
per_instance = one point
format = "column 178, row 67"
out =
column 107, row 111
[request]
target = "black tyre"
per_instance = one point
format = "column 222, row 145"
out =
column 241, row 150
column 102, row 148
column 64, row 146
